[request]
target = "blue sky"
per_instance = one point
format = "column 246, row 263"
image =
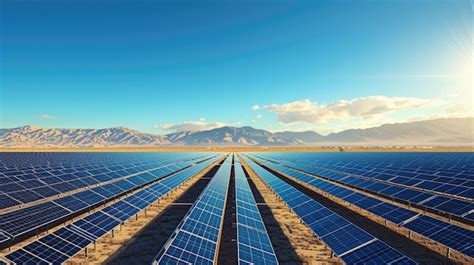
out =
column 162, row 66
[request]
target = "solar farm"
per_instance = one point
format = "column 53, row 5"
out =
column 237, row 208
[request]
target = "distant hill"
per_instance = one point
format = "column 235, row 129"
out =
column 302, row 137
column 450, row 131
column 33, row 136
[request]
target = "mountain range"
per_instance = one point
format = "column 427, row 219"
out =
column 446, row 131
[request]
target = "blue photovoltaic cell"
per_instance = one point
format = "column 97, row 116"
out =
column 418, row 184
column 6, row 201
column 68, row 241
column 195, row 240
column 73, row 237
column 452, row 236
column 390, row 212
column 72, row 203
column 254, row 246
column 27, row 220
column 347, row 238
column 121, row 210
column 457, row 238
column 3, row 237
column 90, row 197
column 140, row 200
column 339, row 234
column 59, row 245
column 45, row 253
column 88, row 228
column 375, row 253
column 189, row 249
column 45, row 191
column 22, row 257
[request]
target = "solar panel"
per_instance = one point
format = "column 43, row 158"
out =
column 121, row 210
column 90, row 197
column 7, row 201
column 340, row 235
column 3, row 237
column 22, row 257
column 60, row 245
column 454, row 237
column 68, row 241
column 97, row 224
column 26, row 220
column 254, row 246
column 45, row 191
column 415, row 187
column 196, row 238
column 67, row 234
column 25, row 196
column 434, row 229
column 375, row 253
column 46, row 253
column 40, row 179
column 72, row 203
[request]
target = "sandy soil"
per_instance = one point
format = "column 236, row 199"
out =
column 294, row 242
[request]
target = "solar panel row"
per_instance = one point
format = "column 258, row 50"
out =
column 348, row 241
column 66, row 242
column 196, row 239
column 23, row 166
column 45, row 184
column 452, row 236
column 39, row 182
column 451, row 174
column 254, row 245
column 26, row 220
column 461, row 209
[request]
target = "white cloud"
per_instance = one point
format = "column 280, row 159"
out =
column 47, row 117
column 364, row 107
column 256, row 107
column 190, row 126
